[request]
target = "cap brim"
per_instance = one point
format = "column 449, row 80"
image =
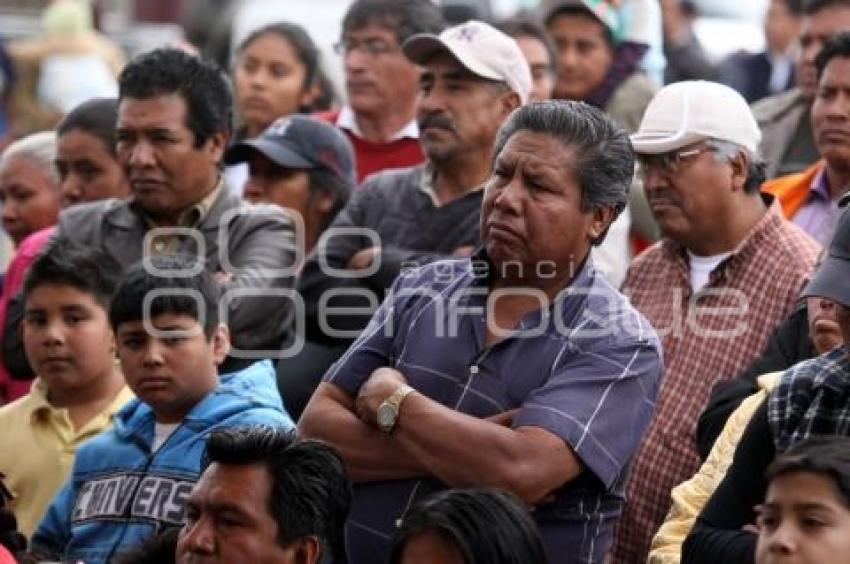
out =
column 421, row 47
column 274, row 151
column 830, row 281
column 656, row 143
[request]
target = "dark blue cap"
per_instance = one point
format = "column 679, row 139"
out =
column 301, row 142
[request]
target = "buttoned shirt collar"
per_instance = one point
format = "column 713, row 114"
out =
column 191, row 216
column 348, row 120
column 188, row 218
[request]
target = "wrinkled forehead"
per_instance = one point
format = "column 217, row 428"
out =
column 538, row 153
column 542, row 145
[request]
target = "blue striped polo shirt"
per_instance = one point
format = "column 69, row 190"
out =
column 586, row 368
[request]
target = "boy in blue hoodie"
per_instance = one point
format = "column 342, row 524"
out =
column 132, row 482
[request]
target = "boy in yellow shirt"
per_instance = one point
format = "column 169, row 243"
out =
column 79, row 387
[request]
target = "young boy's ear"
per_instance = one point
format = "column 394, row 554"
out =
column 220, row 343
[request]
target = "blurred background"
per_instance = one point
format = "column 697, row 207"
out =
column 55, row 54
column 216, row 26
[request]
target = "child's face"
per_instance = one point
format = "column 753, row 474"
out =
column 803, row 521
column 170, row 373
column 67, row 338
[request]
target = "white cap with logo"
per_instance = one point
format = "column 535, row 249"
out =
column 686, row 112
column 481, row 48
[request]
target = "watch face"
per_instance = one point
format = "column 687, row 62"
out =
column 386, row 416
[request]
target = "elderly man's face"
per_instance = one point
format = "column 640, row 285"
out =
column 531, row 212
column 831, row 113
column 459, row 112
column 228, row 520
column 689, row 195
column 584, row 55
column 167, row 172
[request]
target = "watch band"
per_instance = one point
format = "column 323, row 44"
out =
column 389, row 409
column 400, row 394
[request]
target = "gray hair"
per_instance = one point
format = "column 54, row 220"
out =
column 605, row 161
column 39, row 148
column 726, row 150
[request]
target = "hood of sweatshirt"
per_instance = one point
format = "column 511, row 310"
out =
column 252, row 387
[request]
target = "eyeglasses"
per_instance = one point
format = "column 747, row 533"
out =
column 372, row 47
column 672, row 161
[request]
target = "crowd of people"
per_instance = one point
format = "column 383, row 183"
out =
column 514, row 301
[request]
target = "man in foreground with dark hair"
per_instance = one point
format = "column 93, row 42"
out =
column 266, row 497
column 520, row 368
column 174, row 114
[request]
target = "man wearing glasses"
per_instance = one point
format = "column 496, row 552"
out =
column 728, row 269
column 381, row 84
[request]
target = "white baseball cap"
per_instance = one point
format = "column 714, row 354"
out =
column 686, row 112
column 481, row 48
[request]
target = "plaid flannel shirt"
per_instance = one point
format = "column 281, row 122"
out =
column 812, row 398
column 707, row 337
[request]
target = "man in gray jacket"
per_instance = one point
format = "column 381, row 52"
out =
column 174, row 118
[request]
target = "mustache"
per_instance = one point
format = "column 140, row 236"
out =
column 436, row 120
column 662, row 196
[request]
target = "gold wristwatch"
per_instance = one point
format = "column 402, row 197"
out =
column 389, row 408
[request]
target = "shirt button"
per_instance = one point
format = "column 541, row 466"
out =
column 473, row 369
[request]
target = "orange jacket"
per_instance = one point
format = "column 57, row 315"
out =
column 792, row 190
